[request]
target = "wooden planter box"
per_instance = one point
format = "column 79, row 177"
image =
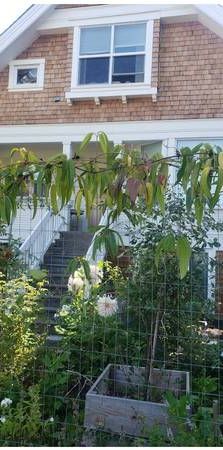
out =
column 115, row 401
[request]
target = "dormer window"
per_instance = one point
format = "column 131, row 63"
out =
column 112, row 60
column 26, row 74
column 112, row 54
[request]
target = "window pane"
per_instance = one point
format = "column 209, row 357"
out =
column 26, row 76
column 130, row 78
column 128, row 69
column 93, row 70
column 130, row 38
column 95, row 40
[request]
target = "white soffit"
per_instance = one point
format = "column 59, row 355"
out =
column 212, row 17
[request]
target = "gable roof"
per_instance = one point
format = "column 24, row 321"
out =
column 24, row 30
column 27, row 27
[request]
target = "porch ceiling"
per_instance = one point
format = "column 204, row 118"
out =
column 43, row 150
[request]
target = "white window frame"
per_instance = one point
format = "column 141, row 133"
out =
column 14, row 66
column 123, row 90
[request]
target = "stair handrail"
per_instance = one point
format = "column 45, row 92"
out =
column 43, row 234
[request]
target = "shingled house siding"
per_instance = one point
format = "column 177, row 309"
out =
column 187, row 63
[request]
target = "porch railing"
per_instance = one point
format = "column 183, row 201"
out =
column 37, row 243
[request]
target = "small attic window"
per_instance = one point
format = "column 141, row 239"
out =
column 26, row 74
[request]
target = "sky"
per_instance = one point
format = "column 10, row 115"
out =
column 10, row 11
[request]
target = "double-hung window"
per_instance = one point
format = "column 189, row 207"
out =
column 112, row 54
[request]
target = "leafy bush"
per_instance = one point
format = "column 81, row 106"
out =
column 21, row 423
column 19, row 341
column 183, row 304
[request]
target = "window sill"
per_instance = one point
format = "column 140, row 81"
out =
column 122, row 91
column 24, row 89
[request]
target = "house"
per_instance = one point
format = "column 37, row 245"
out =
column 148, row 75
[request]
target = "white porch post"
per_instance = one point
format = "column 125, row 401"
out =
column 169, row 149
column 67, row 148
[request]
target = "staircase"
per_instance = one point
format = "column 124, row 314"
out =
column 69, row 245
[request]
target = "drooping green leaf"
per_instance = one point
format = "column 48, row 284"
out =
column 53, row 198
column 85, row 142
column 165, row 245
column 86, row 267
column 199, row 209
column 205, row 189
column 216, row 196
column 104, row 143
column 183, row 252
column 78, row 201
column 35, row 204
column 220, row 160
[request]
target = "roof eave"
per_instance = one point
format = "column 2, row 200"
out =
column 212, row 17
column 14, row 40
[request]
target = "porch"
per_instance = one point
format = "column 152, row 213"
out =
column 35, row 235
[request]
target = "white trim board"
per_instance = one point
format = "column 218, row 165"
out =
column 117, row 131
column 109, row 14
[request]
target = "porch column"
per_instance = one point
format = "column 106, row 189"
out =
column 67, row 148
column 169, row 149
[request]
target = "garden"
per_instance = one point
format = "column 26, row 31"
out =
column 139, row 359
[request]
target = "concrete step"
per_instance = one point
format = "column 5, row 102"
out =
column 70, row 249
column 53, row 301
column 64, row 253
column 56, row 268
column 56, row 260
column 52, row 258
column 58, row 277
column 75, row 235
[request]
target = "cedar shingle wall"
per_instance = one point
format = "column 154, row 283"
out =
column 187, row 63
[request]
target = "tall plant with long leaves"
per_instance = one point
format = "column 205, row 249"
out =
column 115, row 180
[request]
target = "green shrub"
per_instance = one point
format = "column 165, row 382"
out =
column 19, row 308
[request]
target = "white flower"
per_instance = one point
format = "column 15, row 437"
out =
column 96, row 274
column 51, row 419
column 6, row 402
column 107, row 306
column 65, row 310
column 21, row 291
column 120, row 155
column 75, row 283
column 8, row 311
column 2, row 419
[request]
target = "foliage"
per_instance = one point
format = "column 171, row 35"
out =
column 19, row 308
column 198, row 429
column 148, row 289
column 11, row 263
column 21, row 424
column 118, row 179
column 92, row 339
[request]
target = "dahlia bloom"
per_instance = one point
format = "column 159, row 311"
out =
column 106, row 305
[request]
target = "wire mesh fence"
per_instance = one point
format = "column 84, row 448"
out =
column 121, row 353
